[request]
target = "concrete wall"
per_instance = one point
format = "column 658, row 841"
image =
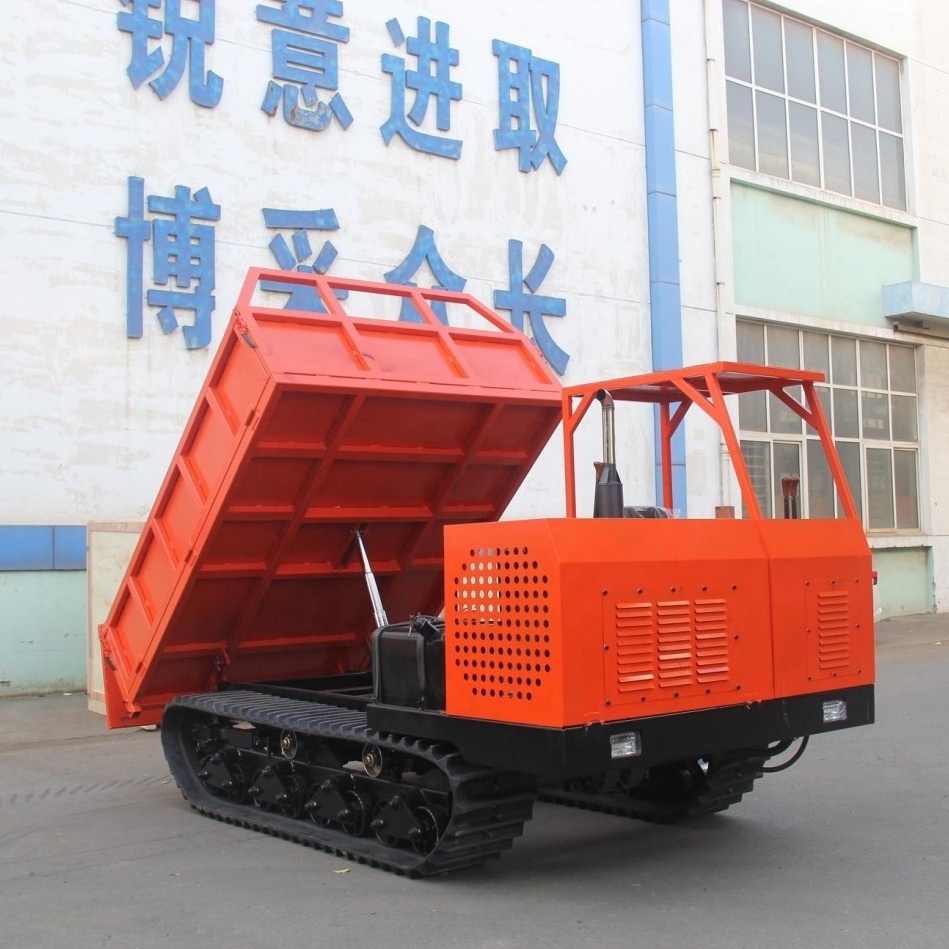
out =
column 42, row 631
column 794, row 254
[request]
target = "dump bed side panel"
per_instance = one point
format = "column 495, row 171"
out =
column 309, row 428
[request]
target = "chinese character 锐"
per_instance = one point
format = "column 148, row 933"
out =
column 182, row 250
column 525, row 83
column 301, row 222
column 530, row 304
column 430, row 80
column 189, row 38
column 306, row 57
column 424, row 251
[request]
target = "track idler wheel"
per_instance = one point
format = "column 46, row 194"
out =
column 402, row 823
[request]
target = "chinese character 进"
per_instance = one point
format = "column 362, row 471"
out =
column 182, row 250
column 424, row 251
column 530, row 304
column 189, row 39
column 430, row 80
column 301, row 222
column 526, row 82
column 306, row 57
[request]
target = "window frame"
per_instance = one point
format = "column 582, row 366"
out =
column 743, row 91
column 855, row 444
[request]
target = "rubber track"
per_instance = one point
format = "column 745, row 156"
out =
column 489, row 807
column 723, row 786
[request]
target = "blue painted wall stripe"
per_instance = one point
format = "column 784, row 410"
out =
column 35, row 547
column 665, row 299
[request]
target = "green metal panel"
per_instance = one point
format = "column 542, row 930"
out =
column 42, row 631
column 905, row 581
column 800, row 256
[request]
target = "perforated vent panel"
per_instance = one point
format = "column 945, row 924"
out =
column 500, row 629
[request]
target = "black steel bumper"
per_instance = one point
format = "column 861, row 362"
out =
column 556, row 754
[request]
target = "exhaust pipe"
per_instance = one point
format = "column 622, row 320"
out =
column 608, row 496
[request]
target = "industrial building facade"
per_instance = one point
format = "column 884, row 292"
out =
column 637, row 185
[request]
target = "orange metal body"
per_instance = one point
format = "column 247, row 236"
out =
column 574, row 621
column 308, row 428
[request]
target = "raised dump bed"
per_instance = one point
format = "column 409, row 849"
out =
column 309, row 428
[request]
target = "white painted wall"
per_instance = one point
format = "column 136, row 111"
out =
column 91, row 417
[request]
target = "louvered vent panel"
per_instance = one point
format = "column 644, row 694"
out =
column 635, row 647
column 675, row 648
column 711, row 641
column 833, row 630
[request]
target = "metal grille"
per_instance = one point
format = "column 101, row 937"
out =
column 635, row 647
column 501, row 624
column 833, row 630
column 671, row 644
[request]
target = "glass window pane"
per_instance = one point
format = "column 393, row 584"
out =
column 860, row 82
column 850, row 459
column 741, row 126
column 737, row 45
column 879, row 489
column 750, row 342
column 902, row 368
column 758, row 461
column 787, row 463
column 873, row 365
column 805, row 160
column 889, row 109
column 816, row 353
column 820, row 485
column 875, row 415
column 772, row 135
column 783, row 347
column 892, row 171
column 903, row 408
column 845, row 413
column 866, row 177
column 907, row 492
column 799, row 49
column 753, row 412
column 843, row 360
column 823, row 397
column 783, row 419
column 769, row 61
column 830, row 66
column 836, row 137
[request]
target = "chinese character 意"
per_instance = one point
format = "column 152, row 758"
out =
column 298, row 257
column 527, row 83
column 424, row 251
column 182, row 250
column 306, row 58
column 188, row 41
column 530, row 304
column 431, row 80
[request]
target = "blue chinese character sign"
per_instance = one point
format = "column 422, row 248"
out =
column 182, row 251
column 528, row 84
column 306, row 60
column 189, row 40
column 299, row 257
column 431, row 80
column 523, row 301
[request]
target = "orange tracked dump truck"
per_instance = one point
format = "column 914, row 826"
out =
column 346, row 646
